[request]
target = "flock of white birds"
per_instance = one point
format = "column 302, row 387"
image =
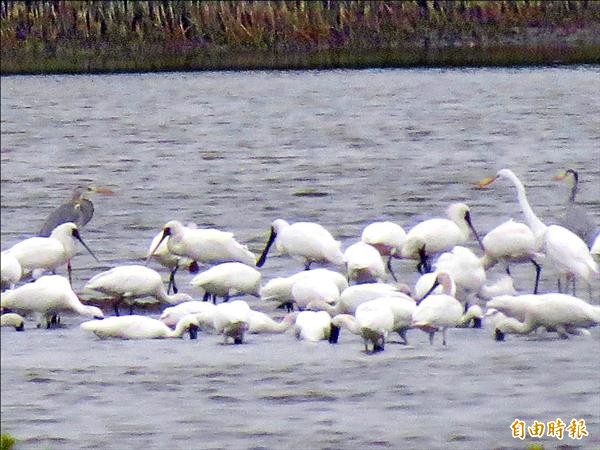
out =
column 364, row 297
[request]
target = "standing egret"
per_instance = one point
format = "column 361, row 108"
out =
column 127, row 283
column 307, row 241
column 227, row 280
column 388, row 238
column 576, row 217
column 48, row 296
column 140, row 327
column 434, row 236
column 37, row 255
column 564, row 250
column 438, row 311
column 78, row 210
column 11, row 270
column 204, row 245
column 364, row 263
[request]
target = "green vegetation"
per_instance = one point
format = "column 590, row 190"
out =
column 7, row 442
column 105, row 36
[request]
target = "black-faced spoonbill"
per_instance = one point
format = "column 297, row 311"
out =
column 48, row 296
column 388, row 238
column 228, row 280
column 140, row 327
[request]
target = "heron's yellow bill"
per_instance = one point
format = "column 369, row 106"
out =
column 486, row 182
column 561, row 176
column 104, row 191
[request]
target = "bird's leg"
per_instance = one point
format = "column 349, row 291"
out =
column 307, row 265
column 206, row 297
column 226, row 298
column 498, row 335
column 214, row 299
column 172, row 281
column 538, row 270
column 402, row 334
column 431, row 334
column 444, row 336
column 558, row 286
column 131, row 309
column 116, row 305
column 69, row 270
column 389, row 267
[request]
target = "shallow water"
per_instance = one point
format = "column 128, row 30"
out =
column 235, row 151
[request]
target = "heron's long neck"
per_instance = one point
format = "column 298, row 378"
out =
column 536, row 225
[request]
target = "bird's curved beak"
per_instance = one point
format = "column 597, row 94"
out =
column 486, row 182
column 468, row 220
column 436, row 283
column 263, row 256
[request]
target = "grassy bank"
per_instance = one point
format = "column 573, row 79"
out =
column 109, row 36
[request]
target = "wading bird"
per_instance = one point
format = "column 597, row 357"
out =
column 388, row 238
column 306, row 241
column 127, row 283
column 46, row 297
column 78, row 210
column 12, row 320
column 140, row 327
column 576, row 217
column 228, row 280
column 37, row 255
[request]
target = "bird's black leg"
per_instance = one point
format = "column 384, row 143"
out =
column 307, row 265
column 538, row 270
column 206, row 297
column 389, row 267
column 69, row 270
column 214, row 299
column 172, row 281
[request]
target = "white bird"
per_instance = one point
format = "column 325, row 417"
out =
column 204, row 245
column 280, row 289
column 563, row 249
column 306, row 241
column 388, row 238
column 595, row 248
column 12, row 320
column 11, row 270
column 312, row 326
column 512, row 242
column 503, row 286
column 172, row 314
column 259, row 322
column 373, row 321
column 314, row 287
column 466, row 270
column 228, row 280
column 501, row 323
column 554, row 311
column 434, row 236
column 229, row 319
column 364, row 263
column 48, row 296
column 37, row 255
column 128, row 283
column 140, row 327
column 353, row 296
column 438, row 311
column 159, row 251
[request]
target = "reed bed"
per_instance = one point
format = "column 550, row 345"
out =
column 105, row 36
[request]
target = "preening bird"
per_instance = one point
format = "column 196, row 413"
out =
column 48, row 296
column 364, row 263
column 388, row 238
column 306, row 241
column 78, row 210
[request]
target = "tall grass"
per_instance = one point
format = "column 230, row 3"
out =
column 82, row 36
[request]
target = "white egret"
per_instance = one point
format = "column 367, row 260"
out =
column 438, row 311
column 130, row 282
column 228, row 280
column 434, row 236
column 48, row 296
column 37, row 255
column 364, row 263
column 563, row 249
column 140, row 327
column 306, row 241
column 204, row 245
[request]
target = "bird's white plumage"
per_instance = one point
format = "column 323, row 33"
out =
column 137, row 327
column 228, row 280
column 364, row 263
column 312, row 326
